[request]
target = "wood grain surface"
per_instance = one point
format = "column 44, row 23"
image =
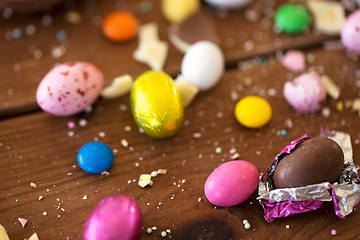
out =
column 36, row 147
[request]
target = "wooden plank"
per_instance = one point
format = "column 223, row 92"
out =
column 37, row 148
column 21, row 72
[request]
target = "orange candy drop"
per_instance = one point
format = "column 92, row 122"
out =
column 120, row 26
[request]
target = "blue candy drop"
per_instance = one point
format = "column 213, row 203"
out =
column 95, row 157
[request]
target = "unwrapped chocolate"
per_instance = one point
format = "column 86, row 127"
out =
column 284, row 202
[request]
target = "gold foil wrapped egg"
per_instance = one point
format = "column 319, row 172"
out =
column 156, row 104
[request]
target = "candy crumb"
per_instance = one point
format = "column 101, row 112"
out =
column 22, row 221
column 163, row 234
column 162, row 171
column 287, row 226
column 333, row 232
column 40, row 198
column 245, row 221
column 149, row 230
column 45, row 213
column 71, row 124
column 247, row 226
column 124, row 143
column 33, row 185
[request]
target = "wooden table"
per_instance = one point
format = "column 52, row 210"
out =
column 36, row 147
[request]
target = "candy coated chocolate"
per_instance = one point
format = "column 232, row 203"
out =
column 253, row 112
column 315, row 160
column 95, row 157
column 292, row 18
column 231, row 183
column 115, row 217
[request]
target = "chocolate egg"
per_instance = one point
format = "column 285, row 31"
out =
column 156, row 104
column 315, row 160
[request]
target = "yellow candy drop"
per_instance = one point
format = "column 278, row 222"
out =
column 253, row 112
column 156, row 105
column 176, row 11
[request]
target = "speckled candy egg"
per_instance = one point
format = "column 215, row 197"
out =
column 115, row 217
column 69, row 88
column 231, row 183
column 203, row 65
column 228, row 3
column 156, row 105
column 350, row 33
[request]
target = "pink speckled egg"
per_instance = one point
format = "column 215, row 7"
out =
column 115, row 217
column 350, row 32
column 306, row 93
column 231, row 183
column 69, row 88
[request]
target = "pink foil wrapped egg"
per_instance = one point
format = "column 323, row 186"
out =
column 115, row 217
column 69, row 88
column 350, row 32
column 306, row 94
column 231, row 183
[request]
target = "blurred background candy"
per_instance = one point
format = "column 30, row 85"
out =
column 350, row 33
column 306, row 93
column 228, row 3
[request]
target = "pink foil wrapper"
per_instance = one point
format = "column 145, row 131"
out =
column 285, row 202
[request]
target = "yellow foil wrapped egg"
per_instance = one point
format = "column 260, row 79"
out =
column 156, row 105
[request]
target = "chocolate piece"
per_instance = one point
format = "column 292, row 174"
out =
column 313, row 161
column 196, row 27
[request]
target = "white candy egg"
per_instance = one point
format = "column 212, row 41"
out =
column 203, row 65
column 228, row 3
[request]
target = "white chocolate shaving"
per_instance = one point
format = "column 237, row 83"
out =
column 331, row 88
column 34, row 237
column 3, row 234
column 151, row 50
column 187, row 90
column 144, row 180
column 329, row 16
column 356, row 105
column 119, row 87
column 181, row 45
